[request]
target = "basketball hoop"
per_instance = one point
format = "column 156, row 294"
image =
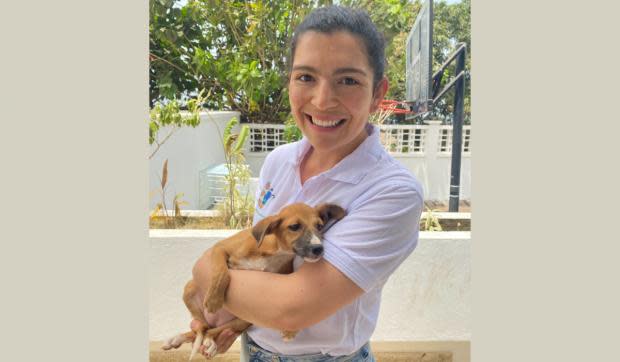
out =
column 392, row 106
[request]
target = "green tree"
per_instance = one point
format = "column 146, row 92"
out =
column 452, row 25
column 236, row 50
column 395, row 18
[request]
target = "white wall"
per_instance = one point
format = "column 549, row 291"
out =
column 188, row 151
column 191, row 150
column 434, row 174
column 426, row 299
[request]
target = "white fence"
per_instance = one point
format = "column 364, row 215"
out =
column 424, row 149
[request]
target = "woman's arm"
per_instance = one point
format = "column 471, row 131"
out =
column 285, row 301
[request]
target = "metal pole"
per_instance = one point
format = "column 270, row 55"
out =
column 457, row 134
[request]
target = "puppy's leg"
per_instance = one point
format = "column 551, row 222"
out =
column 210, row 348
column 216, row 292
column 178, row 340
column 237, row 325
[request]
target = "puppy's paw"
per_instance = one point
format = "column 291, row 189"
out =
column 209, row 348
column 174, row 342
column 287, row 336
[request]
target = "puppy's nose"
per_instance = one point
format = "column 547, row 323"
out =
column 317, row 250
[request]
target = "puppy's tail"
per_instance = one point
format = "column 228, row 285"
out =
column 197, row 342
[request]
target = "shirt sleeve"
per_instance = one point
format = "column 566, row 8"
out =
column 376, row 236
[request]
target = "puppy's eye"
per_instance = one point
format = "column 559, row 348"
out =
column 319, row 226
column 294, row 227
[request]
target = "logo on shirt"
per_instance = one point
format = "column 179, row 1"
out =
column 265, row 195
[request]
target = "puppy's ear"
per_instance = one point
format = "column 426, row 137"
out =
column 330, row 214
column 265, row 227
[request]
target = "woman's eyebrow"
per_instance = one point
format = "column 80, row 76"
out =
column 350, row 70
column 310, row 69
column 304, row 68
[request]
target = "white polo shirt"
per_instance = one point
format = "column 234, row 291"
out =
column 383, row 202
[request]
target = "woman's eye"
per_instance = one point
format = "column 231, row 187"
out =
column 294, row 227
column 349, row 81
column 305, row 78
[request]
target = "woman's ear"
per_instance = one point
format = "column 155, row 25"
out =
column 379, row 94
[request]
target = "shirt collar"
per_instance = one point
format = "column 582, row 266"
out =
column 354, row 166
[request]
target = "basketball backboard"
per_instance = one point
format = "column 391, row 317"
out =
column 419, row 60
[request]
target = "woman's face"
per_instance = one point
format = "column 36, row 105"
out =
column 331, row 90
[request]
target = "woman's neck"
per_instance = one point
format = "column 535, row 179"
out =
column 317, row 161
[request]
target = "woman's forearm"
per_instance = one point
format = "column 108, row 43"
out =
column 292, row 301
column 264, row 299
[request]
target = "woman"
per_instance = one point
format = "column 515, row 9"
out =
column 336, row 81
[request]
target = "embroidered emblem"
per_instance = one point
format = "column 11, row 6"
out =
column 266, row 195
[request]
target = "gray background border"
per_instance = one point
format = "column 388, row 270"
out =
column 75, row 78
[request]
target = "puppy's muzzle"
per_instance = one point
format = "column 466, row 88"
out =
column 309, row 247
column 316, row 250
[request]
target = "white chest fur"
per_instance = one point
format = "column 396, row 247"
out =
column 271, row 263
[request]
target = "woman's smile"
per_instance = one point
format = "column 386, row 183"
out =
column 324, row 123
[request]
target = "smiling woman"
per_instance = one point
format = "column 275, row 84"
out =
column 336, row 80
column 332, row 93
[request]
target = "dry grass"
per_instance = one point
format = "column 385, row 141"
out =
column 186, row 222
column 464, row 206
column 211, row 223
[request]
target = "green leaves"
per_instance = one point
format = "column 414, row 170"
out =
column 235, row 49
column 395, row 18
column 291, row 132
column 169, row 113
column 238, row 206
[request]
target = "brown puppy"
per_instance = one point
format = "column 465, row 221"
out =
column 271, row 245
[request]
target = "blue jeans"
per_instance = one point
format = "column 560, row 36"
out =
column 258, row 354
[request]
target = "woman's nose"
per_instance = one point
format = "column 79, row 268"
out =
column 324, row 96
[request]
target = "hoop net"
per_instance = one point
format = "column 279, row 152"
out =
column 393, row 106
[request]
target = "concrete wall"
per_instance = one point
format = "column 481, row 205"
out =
column 191, row 150
column 426, row 299
column 188, row 151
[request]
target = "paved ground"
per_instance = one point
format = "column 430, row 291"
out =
column 381, row 353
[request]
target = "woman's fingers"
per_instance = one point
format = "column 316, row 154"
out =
column 196, row 325
column 225, row 340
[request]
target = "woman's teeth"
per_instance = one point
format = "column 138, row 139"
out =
column 321, row 123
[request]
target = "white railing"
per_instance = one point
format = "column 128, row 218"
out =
column 265, row 137
column 406, row 139
column 445, row 140
column 397, row 139
column 425, row 150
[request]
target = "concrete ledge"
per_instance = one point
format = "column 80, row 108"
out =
column 457, row 351
column 439, row 215
column 224, row 233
